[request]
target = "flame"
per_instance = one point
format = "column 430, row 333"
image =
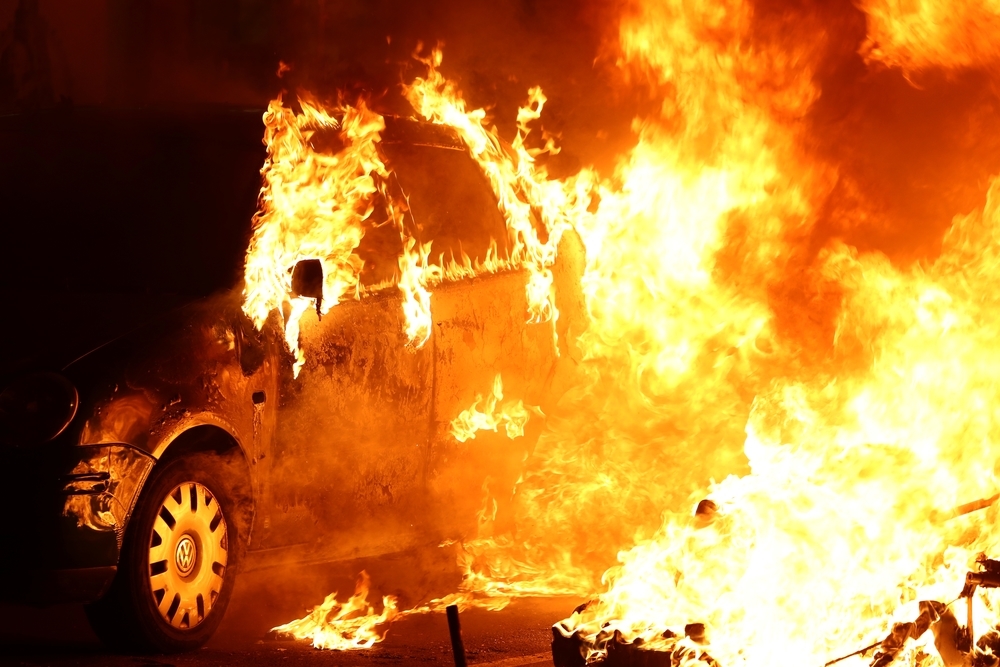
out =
column 352, row 625
column 922, row 35
column 311, row 206
column 314, row 205
column 853, row 479
column 344, row 626
column 530, row 203
column 487, row 414
column 859, row 437
column 416, row 299
column 414, row 278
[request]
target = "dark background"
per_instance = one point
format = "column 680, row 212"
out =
column 140, row 53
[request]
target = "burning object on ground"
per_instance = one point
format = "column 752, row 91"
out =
column 570, row 651
column 955, row 644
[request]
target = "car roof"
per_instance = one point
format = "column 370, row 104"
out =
column 420, row 133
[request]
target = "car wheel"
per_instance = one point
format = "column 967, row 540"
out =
column 177, row 564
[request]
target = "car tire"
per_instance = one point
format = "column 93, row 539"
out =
column 177, row 565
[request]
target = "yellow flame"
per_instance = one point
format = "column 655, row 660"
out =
column 311, row 206
column 488, row 413
column 858, row 438
column 416, row 298
column 528, row 201
column 415, row 277
column 852, row 480
column 344, row 626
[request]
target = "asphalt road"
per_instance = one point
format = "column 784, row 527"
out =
column 518, row 636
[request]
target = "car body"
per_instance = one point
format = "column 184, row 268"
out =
column 354, row 457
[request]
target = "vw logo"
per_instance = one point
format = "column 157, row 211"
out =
column 185, row 555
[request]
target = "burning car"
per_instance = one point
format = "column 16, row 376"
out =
column 205, row 441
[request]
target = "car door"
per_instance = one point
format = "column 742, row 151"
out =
column 480, row 329
column 348, row 477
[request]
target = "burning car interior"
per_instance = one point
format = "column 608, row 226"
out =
column 642, row 332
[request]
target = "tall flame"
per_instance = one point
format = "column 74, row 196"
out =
column 518, row 185
column 854, row 477
column 311, row 207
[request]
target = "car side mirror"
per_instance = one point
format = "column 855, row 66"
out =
column 307, row 279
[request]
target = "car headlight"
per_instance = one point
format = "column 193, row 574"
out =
column 36, row 408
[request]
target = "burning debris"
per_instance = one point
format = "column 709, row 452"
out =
column 952, row 642
column 956, row 645
column 686, row 649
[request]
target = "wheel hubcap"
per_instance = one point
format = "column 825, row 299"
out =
column 186, row 555
column 188, row 552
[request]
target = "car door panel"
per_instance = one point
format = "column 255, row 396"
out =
column 353, row 433
column 480, row 330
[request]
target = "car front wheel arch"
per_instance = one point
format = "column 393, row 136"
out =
column 179, row 558
column 231, row 458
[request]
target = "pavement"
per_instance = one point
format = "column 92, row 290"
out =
column 517, row 636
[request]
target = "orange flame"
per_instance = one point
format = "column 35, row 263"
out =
column 922, row 35
column 518, row 185
column 313, row 205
